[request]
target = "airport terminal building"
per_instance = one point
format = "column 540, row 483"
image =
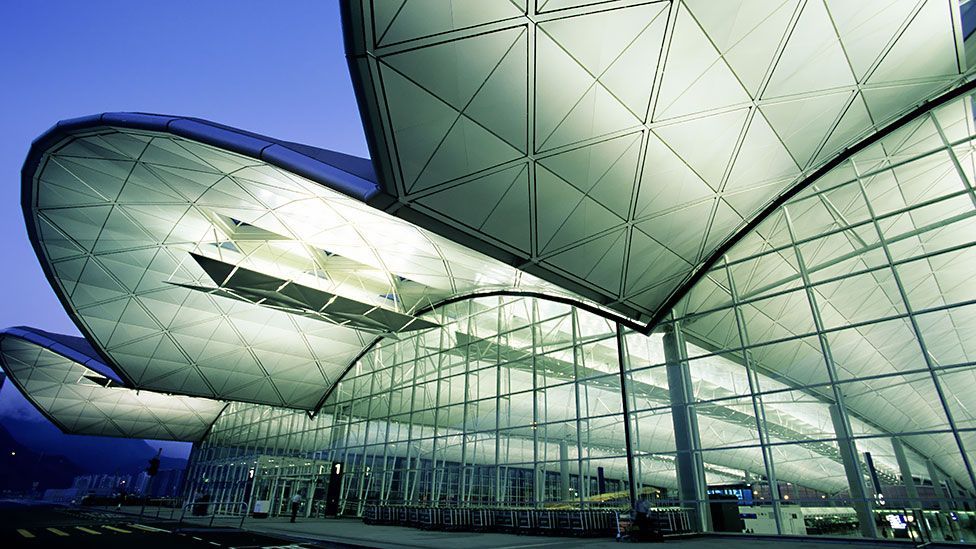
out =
column 708, row 259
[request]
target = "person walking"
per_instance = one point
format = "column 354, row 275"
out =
column 296, row 503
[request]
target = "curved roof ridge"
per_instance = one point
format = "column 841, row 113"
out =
column 319, row 165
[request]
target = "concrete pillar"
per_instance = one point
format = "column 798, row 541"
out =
column 906, row 474
column 948, row 526
column 563, row 471
column 962, row 496
column 852, row 469
column 953, row 492
column 691, row 482
column 540, row 484
column 936, row 478
column 309, row 496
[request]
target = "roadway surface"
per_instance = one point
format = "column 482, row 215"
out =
column 37, row 524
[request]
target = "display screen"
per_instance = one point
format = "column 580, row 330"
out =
column 743, row 493
column 897, row 522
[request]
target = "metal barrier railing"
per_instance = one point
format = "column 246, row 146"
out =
column 214, row 508
column 521, row 520
column 171, row 505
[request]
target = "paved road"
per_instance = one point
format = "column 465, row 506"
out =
column 31, row 524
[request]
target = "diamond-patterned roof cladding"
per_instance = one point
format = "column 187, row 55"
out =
column 118, row 217
column 82, row 401
column 612, row 147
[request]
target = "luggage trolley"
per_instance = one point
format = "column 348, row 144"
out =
column 624, row 524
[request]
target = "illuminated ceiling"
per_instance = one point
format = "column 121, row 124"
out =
column 612, row 147
column 209, row 273
column 68, row 383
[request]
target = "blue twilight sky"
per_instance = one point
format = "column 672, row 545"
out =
column 275, row 68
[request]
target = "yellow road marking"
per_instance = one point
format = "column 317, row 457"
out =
column 25, row 533
column 147, row 528
column 58, row 532
column 88, row 530
column 114, row 529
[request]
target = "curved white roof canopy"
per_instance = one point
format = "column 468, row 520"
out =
column 203, row 272
column 611, row 147
column 79, row 395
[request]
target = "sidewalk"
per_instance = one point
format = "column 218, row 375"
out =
column 354, row 532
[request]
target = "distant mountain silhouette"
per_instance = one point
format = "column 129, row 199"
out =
column 72, row 454
column 93, row 454
column 21, row 466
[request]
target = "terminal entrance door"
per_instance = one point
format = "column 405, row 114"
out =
column 310, row 487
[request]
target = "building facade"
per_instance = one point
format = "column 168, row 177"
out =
column 571, row 278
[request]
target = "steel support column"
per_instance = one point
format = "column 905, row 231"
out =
column 577, row 357
column 538, row 474
column 758, row 410
column 855, row 481
column 906, row 474
column 624, row 363
column 936, row 478
column 688, row 461
column 563, row 471
column 838, row 412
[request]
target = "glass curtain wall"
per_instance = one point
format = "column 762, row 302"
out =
column 511, row 402
column 817, row 381
column 848, row 314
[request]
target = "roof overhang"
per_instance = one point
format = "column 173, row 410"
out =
column 77, row 392
column 619, row 149
column 202, row 260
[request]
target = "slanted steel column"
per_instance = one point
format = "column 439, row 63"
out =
column 936, row 478
column 758, row 409
column 463, row 482
column 577, row 360
column 838, row 412
column 945, row 522
column 962, row 497
column 309, row 496
column 538, row 472
column 499, row 492
column 852, row 468
column 623, row 361
column 691, row 481
column 906, row 474
column 930, row 362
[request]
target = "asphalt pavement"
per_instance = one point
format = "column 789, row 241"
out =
column 37, row 524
